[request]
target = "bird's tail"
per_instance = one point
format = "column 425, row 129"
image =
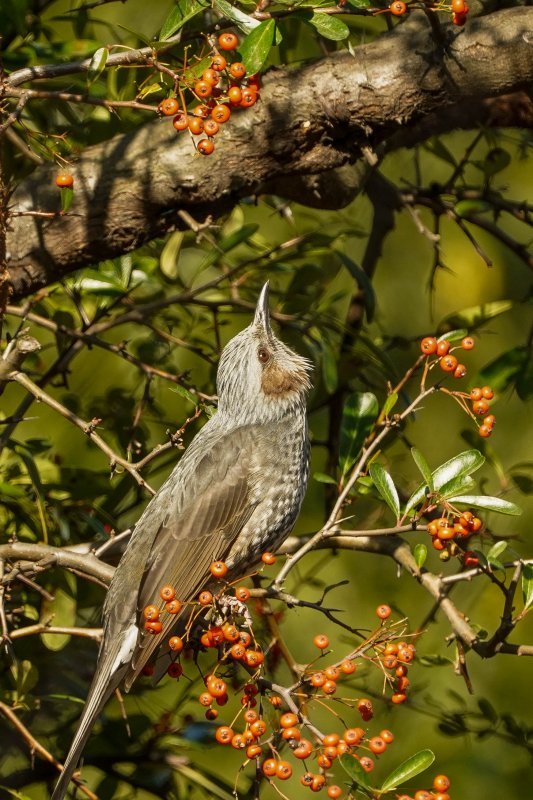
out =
column 104, row 684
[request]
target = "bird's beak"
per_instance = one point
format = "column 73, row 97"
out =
column 262, row 313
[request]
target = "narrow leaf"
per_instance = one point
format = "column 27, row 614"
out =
column 354, row 769
column 183, row 392
column 453, row 336
column 460, row 465
column 67, row 195
column 420, row 553
column 389, row 403
column 179, row 15
column 98, row 62
column 243, row 21
column 385, row 486
column 360, row 412
column 527, row 584
column 256, row 47
column 496, row 550
column 488, row 503
column 423, row 466
column 364, row 283
column 408, row 769
column 321, row 477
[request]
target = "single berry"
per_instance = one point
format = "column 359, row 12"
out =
column 176, row 644
column 468, row 342
column 387, row 736
column 64, row 181
column 399, row 698
column 224, row 735
column 303, row 750
column 398, row 8
column 383, row 611
column 218, row 569
column 307, row 779
column 249, row 97
column 203, row 89
column 218, row 63
column 168, row 107
column 353, row 736
column 167, row 593
column 487, row 392
column 331, row 740
column 211, row 128
column 367, row 763
column 334, row 791
column 180, row 121
column 153, row 626
column 329, row 687
column 476, row 393
column 211, row 714
column 268, row 558
column 206, row 699
column 175, row 670
column 174, row 607
column 441, row 783
column 258, row 728
column 490, row 420
column 459, row 19
column 288, row 720
column 227, row 41
column 291, row 734
column 196, row 125
column 269, row 767
column 484, row 431
column 443, row 347
column 317, row 679
column 205, row 598
column 235, row 95
column 321, row 641
column 254, row 751
column 459, row 371
column 283, row 770
column 377, row 745
column 428, row 345
column 480, row 407
column 151, row 612
column 211, row 76
column 237, row 70
column 242, row 594
column 448, row 363
column 347, row 667
column 221, row 113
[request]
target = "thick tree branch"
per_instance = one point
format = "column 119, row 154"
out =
column 309, row 122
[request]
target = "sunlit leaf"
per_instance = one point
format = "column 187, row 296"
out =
column 321, row 477
column 360, row 412
column 413, row 766
column 423, row 466
column 385, row 486
column 243, row 21
column 256, row 47
column 67, row 195
column 170, row 255
column 329, row 27
column 463, row 464
column 453, row 336
column 98, row 62
column 488, row 503
column 496, row 550
column 354, row 769
column 182, row 12
column 420, row 553
column 389, row 404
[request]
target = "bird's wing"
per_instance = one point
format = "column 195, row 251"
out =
column 197, row 532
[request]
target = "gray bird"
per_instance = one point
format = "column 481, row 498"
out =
column 234, row 494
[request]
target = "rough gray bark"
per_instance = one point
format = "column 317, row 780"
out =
column 310, row 122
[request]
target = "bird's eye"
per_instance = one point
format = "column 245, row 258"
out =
column 263, row 355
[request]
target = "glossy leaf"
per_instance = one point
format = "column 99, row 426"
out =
column 184, row 11
column 170, row 255
column 458, row 466
column 488, row 503
column 420, row 553
column 229, row 242
column 409, row 769
column 330, row 27
column 256, row 47
column 385, row 486
column 389, row 404
column 98, row 62
column 242, row 21
column 453, row 336
column 475, row 316
column 360, row 412
column 354, row 769
column 496, row 550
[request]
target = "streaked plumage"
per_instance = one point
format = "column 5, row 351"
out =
column 235, row 493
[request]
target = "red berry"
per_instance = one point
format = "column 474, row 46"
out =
column 175, row 670
column 268, row 558
column 167, row 593
column 176, row 644
column 249, row 97
column 237, row 70
column 218, row 569
column 448, row 363
column 168, row 107
column 174, row 607
column 64, row 181
column 218, row 63
column 484, row 431
column 221, row 113
column 205, row 598
column 480, row 407
column 366, row 709
column 321, row 641
column 487, row 392
column 459, row 371
column 441, row 783
column 468, row 342
column 383, row 612
column 428, row 345
column 476, row 394
column 206, row 147
column 151, row 612
column 227, row 41
column 443, row 347
column 459, row 19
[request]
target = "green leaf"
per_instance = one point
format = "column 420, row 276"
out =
column 364, row 283
column 169, row 258
column 329, row 367
column 385, row 486
column 179, row 15
column 389, row 404
column 229, row 242
column 466, row 208
column 413, row 766
column 458, row 485
column 457, row 467
column 98, row 62
column 453, row 336
column 351, row 765
column 420, row 553
column 527, row 584
column 321, row 477
column 475, row 316
column 496, row 160
column 26, row 676
column 256, row 47
column 183, row 392
column 67, row 195
column 329, row 27
column 360, row 412
column 496, row 550
column 61, row 611
column 423, row 466
column 243, row 21
column 488, row 503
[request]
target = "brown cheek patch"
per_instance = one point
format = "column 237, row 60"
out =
column 276, row 381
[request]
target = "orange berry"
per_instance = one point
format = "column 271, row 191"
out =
column 323, row 761
column 318, row 783
column 441, row 783
column 249, row 97
column 217, row 687
column 353, row 736
column 476, row 393
column 321, row 641
column 288, row 720
column 242, row 594
column 227, row 41
column 489, row 420
column 467, row 343
column 291, row 734
column 203, row 89
column 423, row 795
column 180, row 121
column 329, row 687
column 168, row 107
column 151, row 612
column 399, row 698
column 275, row 701
column 224, row 735
column 383, row 611
column 459, row 371
column 347, row 667
column 196, row 125
column 205, row 598
column 480, row 407
column 235, row 95
column 367, row 763
column 211, row 76
column 237, row 70
column 258, row 728
column 221, row 113
column 484, row 431
column 269, row 767
column 253, row 751
column 332, row 673
column 218, row 63
column 448, row 363
column 176, row 644
column 167, row 593
column 283, row 770
column 218, row 569
column 389, row 662
column 174, row 607
column 331, row 739
column 366, row 709
column 307, row 779
column 238, row 742
column 206, row 699
column 303, row 750
column 377, row 745
column 440, row 796
column 317, row 679
column 205, row 147
column 443, row 347
column 398, row 8
column 476, row 524
column 487, row 392
column 211, row 127
column 153, row 626
column 254, row 658
column 245, row 638
column 65, row 181
column 428, row 345
column 387, row 736
column 334, row 791
column 268, row 558
column 238, row 651
column 343, row 748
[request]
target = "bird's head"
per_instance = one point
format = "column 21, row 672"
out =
column 260, row 378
